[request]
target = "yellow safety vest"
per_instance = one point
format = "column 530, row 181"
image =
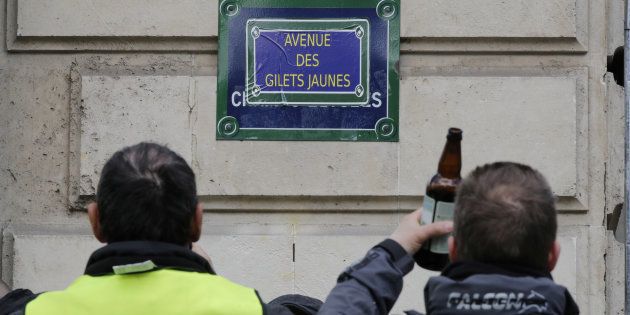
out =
column 158, row 292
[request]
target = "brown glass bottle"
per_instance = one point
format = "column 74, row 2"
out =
column 439, row 201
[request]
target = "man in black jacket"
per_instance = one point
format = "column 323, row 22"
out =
column 502, row 251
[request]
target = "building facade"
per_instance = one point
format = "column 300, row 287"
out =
column 525, row 79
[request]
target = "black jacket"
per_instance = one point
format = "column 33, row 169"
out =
column 473, row 288
column 372, row 286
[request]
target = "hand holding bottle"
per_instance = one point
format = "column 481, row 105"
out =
column 411, row 235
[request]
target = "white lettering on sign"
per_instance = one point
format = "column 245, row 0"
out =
column 235, row 96
column 376, row 97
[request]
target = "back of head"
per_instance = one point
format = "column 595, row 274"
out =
column 505, row 213
column 146, row 192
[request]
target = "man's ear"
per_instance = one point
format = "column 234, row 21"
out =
column 195, row 230
column 93, row 215
column 554, row 255
column 452, row 248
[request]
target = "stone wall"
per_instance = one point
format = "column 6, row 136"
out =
column 525, row 80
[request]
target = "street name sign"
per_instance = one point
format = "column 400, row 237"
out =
column 308, row 70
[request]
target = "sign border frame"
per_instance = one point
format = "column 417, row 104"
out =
column 227, row 127
column 364, row 63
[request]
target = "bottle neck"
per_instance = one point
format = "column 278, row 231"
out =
column 450, row 164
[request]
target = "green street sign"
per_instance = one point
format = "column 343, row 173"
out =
column 308, row 70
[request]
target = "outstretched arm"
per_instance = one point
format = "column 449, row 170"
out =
column 373, row 285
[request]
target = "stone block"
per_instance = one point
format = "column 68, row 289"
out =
column 260, row 257
column 319, row 259
column 566, row 268
column 532, row 120
column 615, row 276
column 299, row 218
column 583, row 249
column 597, row 244
column 44, row 261
column 495, row 25
column 116, row 18
column 122, row 111
column 68, row 25
column 615, row 126
column 327, row 169
column 490, row 18
column 33, row 141
column 616, row 18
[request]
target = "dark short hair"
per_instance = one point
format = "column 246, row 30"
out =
column 505, row 213
column 147, row 192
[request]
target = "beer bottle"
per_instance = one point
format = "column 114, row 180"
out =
column 439, row 201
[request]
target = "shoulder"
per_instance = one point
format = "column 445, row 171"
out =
column 202, row 285
column 203, row 281
column 15, row 301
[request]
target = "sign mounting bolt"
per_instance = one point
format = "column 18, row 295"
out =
column 359, row 90
column 228, row 126
column 387, row 10
column 256, row 90
column 359, row 32
column 255, row 32
column 386, row 129
column 229, row 8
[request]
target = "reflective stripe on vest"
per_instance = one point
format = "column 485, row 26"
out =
column 150, row 293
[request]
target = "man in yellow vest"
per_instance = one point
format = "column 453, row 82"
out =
column 147, row 212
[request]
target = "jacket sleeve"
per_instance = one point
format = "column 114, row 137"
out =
column 15, row 301
column 571, row 307
column 372, row 285
column 292, row 304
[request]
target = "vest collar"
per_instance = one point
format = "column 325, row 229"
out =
column 162, row 255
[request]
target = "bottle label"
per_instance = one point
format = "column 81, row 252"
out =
column 435, row 211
